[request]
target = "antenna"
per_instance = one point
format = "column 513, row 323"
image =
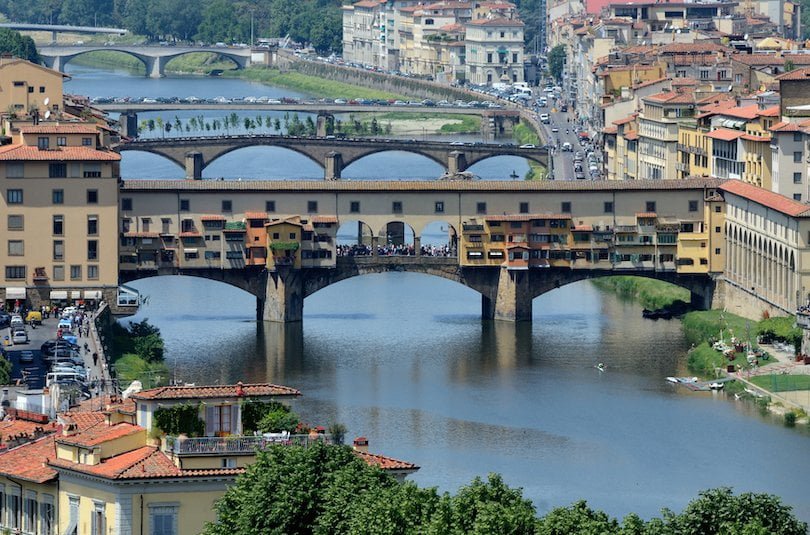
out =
column 47, row 101
column 47, row 114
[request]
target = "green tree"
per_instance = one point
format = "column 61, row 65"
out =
column 578, row 518
column 219, row 23
column 278, row 420
column 5, row 371
column 491, row 507
column 556, row 62
column 12, row 42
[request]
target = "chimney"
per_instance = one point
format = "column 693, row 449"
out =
column 360, row 444
column 69, row 430
column 240, row 391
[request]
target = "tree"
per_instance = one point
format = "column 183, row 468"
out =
column 491, row 507
column 13, row 43
column 219, row 23
column 578, row 518
column 5, row 371
column 556, row 62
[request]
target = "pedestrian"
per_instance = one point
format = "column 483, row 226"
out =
column 95, row 359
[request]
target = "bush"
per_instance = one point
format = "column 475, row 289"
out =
column 179, row 419
column 790, row 419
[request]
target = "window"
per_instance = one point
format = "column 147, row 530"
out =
column 91, row 170
column 396, row 207
column 797, row 157
column 98, row 520
column 718, row 209
column 58, row 250
column 146, row 223
column 15, row 170
column 14, row 196
column 92, row 196
column 15, row 272
column 312, row 207
column 693, row 206
column 30, row 512
column 42, row 89
column 608, row 207
column 227, row 206
column 58, row 225
column 92, row 249
column 126, row 204
column 293, row 236
column 162, row 519
column 481, row 208
column 269, row 206
column 43, row 143
column 565, row 207
column 797, row 196
column 228, row 462
column 75, row 273
column 438, row 207
column 514, row 57
column 166, row 225
column 57, row 170
column 489, row 57
column 14, row 508
column 717, row 230
column 47, row 516
column 354, row 207
column 797, row 178
column 523, row 208
column 58, row 273
column 87, row 141
column 61, row 141
column 185, row 205
column 15, row 222
column 16, row 248
column 58, row 196
column 650, row 206
column 717, row 250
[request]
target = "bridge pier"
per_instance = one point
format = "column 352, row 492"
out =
column 194, row 165
column 702, row 297
column 129, row 124
column 283, row 297
column 513, row 297
column 324, row 124
column 154, row 66
column 333, row 166
column 456, row 162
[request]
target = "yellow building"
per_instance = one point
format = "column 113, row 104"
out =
column 25, row 86
column 694, row 151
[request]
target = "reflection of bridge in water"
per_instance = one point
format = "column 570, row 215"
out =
column 332, row 154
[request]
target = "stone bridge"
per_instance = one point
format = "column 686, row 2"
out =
column 154, row 58
column 332, row 154
column 505, row 294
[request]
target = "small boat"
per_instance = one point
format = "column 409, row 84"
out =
column 673, row 380
column 600, row 367
column 716, row 386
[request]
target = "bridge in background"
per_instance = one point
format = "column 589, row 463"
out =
column 61, row 28
column 332, row 154
column 154, row 58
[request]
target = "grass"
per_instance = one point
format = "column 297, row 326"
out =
column 457, row 124
column 650, row 293
column 131, row 367
column 782, row 383
column 525, row 135
column 312, row 85
column 699, row 326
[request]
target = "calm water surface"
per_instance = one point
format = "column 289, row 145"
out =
column 405, row 360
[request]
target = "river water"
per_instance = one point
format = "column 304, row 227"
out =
column 405, row 360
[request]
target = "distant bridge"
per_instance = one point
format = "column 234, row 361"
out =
column 332, row 154
column 154, row 58
column 61, row 28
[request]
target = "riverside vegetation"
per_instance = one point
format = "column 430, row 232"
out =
column 136, row 353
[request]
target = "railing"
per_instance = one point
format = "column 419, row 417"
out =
column 238, row 444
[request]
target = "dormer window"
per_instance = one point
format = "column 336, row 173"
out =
column 43, row 143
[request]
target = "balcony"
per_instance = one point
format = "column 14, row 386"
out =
column 238, row 444
column 472, row 228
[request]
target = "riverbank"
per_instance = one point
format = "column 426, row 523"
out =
column 723, row 345
column 525, row 135
column 407, row 124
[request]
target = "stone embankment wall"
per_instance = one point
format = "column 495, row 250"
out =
column 743, row 303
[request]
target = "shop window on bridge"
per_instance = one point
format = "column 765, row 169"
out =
column 667, row 239
column 396, row 207
column 354, row 207
column 269, row 206
column 495, row 254
column 126, row 205
column 234, row 255
column 191, row 254
column 565, row 207
column 212, row 255
column 474, row 255
column 312, row 207
column 497, row 238
column 539, row 223
column 481, row 208
column 515, row 224
column 494, row 223
column 693, row 206
column 524, row 208
column 439, row 207
column 475, row 238
column 185, row 205
column 608, row 207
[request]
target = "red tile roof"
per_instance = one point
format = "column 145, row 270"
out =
column 646, row 214
column 100, row 434
column 725, row 134
column 766, row 198
column 628, row 119
column 692, row 48
column 324, row 219
column 759, row 60
column 29, row 461
column 215, row 391
column 83, row 420
column 750, row 137
column 141, row 235
column 59, row 129
column 631, row 135
column 496, row 22
column 797, row 74
column 609, row 130
column 28, row 153
column 386, row 463
column 12, row 428
column 190, row 234
column 650, row 82
column 212, row 218
column 785, row 127
column 773, row 111
column 741, row 112
column 672, row 97
column 255, row 215
column 525, row 217
column 104, row 403
column 582, row 228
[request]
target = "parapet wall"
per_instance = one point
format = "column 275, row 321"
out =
column 745, row 303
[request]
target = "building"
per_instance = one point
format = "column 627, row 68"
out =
column 494, row 50
column 25, row 87
column 788, row 160
column 364, row 26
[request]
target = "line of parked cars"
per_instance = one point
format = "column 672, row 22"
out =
column 17, row 331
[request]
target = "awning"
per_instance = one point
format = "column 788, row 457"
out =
column 190, row 251
column 58, row 294
column 15, row 293
column 92, row 294
column 76, row 294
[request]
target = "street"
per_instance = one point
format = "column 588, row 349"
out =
column 563, row 161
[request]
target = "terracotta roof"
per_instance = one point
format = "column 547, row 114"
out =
column 766, row 198
column 610, row 130
column 684, row 82
column 364, row 186
column 59, row 129
column 773, row 111
column 83, row 420
column 29, row 461
column 750, row 137
column 741, row 112
column 191, row 234
column 100, row 434
column 498, row 22
column 255, row 215
column 324, row 219
column 692, row 48
column 785, row 127
column 525, row 217
column 386, row 463
column 628, row 119
column 797, row 74
column 141, row 235
column 672, row 97
column 12, row 428
column 26, row 153
column 106, row 403
column 631, row 135
column 646, row 214
column 725, row 134
column 776, row 60
column 650, row 82
column 212, row 218
column 582, row 228
column 367, row 3
column 215, row 391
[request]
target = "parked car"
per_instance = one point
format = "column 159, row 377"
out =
column 566, row 147
column 26, row 357
column 19, row 337
column 5, row 319
column 16, row 321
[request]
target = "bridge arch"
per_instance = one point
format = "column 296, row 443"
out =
column 227, row 150
column 145, row 60
column 251, row 281
column 348, row 159
column 236, row 60
column 305, row 166
column 473, row 159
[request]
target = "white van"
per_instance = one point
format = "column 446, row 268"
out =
column 59, row 377
column 19, row 337
column 17, row 321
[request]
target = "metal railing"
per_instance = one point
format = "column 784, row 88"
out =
column 238, row 444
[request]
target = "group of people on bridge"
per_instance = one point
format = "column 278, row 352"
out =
column 396, row 250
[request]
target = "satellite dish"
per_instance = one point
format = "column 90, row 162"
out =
column 47, row 101
column 47, row 114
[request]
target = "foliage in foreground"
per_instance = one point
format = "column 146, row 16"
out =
column 329, row 489
column 12, row 42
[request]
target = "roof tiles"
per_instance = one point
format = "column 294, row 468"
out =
column 766, row 198
column 28, row 153
column 215, row 391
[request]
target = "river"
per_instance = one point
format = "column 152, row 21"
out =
column 404, row 360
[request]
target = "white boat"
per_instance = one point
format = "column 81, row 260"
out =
column 600, row 367
column 673, row 380
column 716, row 386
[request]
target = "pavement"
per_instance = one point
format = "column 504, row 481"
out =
column 33, row 374
column 563, row 161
